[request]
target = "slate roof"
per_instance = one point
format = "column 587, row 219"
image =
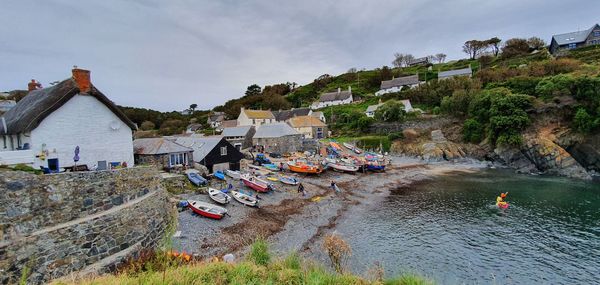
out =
column 373, row 108
column 216, row 117
column 457, row 72
column 229, row 124
column 573, row 37
column 335, row 96
column 285, row 115
column 38, row 104
column 152, row 146
column 258, row 114
column 400, row 81
column 201, row 145
column 306, row 121
column 274, row 130
column 240, row 131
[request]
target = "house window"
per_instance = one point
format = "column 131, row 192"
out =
column 223, row 150
column 178, row 159
column 319, row 133
column 572, row 45
column 596, row 33
column 254, row 121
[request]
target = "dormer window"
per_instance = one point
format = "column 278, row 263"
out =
column 597, row 33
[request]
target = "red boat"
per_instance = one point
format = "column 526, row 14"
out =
column 257, row 184
column 207, row 210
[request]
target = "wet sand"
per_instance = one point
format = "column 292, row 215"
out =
column 292, row 222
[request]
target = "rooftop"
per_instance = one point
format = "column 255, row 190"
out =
column 151, row 146
column 573, row 37
column 400, row 81
column 457, row 72
column 274, row 130
column 284, row 115
column 258, row 114
column 201, row 145
column 236, row 131
column 306, row 121
column 335, row 96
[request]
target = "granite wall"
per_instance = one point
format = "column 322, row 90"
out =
column 85, row 222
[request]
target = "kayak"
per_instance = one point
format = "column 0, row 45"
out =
column 502, row 205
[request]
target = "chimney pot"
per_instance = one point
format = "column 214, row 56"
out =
column 82, row 79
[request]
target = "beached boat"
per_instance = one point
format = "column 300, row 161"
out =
column 353, row 148
column 233, row 174
column 255, row 167
column 207, row 210
column 342, row 167
column 196, row 179
column 245, row 198
column 300, row 167
column 218, row 196
column 375, row 166
column 219, row 175
column 271, row 167
column 289, row 180
column 272, row 178
column 255, row 183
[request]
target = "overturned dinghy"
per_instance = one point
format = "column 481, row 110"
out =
column 245, row 198
column 218, row 196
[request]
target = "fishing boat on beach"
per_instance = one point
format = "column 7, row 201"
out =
column 271, row 167
column 342, row 167
column 233, row 174
column 218, row 196
column 375, row 165
column 196, row 179
column 353, row 148
column 289, row 180
column 245, row 198
column 219, row 175
column 304, row 167
column 255, row 183
column 207, row 210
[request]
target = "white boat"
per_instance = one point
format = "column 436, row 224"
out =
column 218, row 196
column 245, row 198
column 289, row 180
column 343, row 167
column 233, row 174
column 353, row 148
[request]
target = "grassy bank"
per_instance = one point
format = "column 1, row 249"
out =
column 258, row 268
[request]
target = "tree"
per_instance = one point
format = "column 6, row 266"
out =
column 536, row 43
column 474, row 47
column 147, row 125
column 193, row 107
column 352, row 70
column 583, row 121
column 390, row 111
column 431, row 58
column 398, row 60
column 495, row 44
column 440, row 57
column 253, row 89
column 408, row 58
column 515, row 47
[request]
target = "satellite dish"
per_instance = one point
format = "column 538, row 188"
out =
column 114, row 125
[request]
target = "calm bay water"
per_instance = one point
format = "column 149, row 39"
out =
column 450, row 230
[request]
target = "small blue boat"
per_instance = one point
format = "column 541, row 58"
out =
column 375, row 167
column 219, row 175
column 271, row 167
column 196, row 179
column 289, row 180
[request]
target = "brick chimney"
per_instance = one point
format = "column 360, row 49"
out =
column 82, row 79
column 33, row 85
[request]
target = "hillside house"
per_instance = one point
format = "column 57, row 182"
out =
column 319, row 115
column 214, row 152
column 575, row 40
column 215, row 120
column 45, row 128
column 466, row 72
column 397, row 84
column 370, row 112
column 309, row 126
column 240, row 137
column 285, row 115
column 278, row 137
column 255, row 117
column 419, row 61
column 162, row 152
column 334, row 98
column 193, row 128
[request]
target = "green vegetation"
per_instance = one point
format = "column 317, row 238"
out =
column 180, row 269
column 369, row 142
column 22, row 167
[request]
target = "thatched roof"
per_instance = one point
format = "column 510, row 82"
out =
column 38, row 104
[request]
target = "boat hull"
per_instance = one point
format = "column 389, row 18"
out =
column 255, row 186
column 305, row 169
column 233, row 174
column 204, row 213
column 251, row 202
column 343, row 168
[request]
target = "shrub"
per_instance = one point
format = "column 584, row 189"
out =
column 583, row 121
column 472, row 131
column 390, row 111
column 147, row 125
column 259, row 252
column 395, row 135
column 436, row 110
column 338, row 251
column 26, row 168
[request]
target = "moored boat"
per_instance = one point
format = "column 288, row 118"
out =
column 218, row 196
column 244, row 198
column 207, row 210
column 233, row 174
column 299, row 167
column 255, row 183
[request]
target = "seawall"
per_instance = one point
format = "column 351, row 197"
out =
column 86, row 222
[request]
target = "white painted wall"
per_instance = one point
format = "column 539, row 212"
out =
column 17, row 157
column 319, row 105
column 85, row 122
column 394, row 89
column 243, row 120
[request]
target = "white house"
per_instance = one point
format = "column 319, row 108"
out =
column 216, row 119
column 333, row 98
column 370, row 112
column 397, row 84
column 466, row 72
column 46, row 127
column 255, row 117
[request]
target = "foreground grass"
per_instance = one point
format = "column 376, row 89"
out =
column 258, row 268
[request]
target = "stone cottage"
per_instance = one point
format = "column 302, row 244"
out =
column 164, row 153
column 309, row 126
column 334, row 98
column 255, row 117
column 240, row 137
column 278, row 137
column 48, row 125
column 397, row 84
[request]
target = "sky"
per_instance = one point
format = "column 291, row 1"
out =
column 166, row 55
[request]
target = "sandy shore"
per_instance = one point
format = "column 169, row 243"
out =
column 294, row 223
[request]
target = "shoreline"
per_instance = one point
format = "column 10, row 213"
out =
column 291, row 222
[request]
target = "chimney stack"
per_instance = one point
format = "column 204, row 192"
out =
column 339, row 89
column 82, row 79
column 350, row 89
column 33, row 85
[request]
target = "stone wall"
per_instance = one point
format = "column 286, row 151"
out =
column 285, row 144
column 84, row 222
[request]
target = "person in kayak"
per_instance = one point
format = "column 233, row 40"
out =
column 500, row 199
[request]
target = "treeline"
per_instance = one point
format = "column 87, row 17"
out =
column 271, row 97
column 153, row 123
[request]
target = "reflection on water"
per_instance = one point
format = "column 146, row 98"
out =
column 450, row 230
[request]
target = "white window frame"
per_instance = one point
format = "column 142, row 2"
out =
column 223, row 150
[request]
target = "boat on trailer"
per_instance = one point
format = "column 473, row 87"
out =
column 207, row 210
